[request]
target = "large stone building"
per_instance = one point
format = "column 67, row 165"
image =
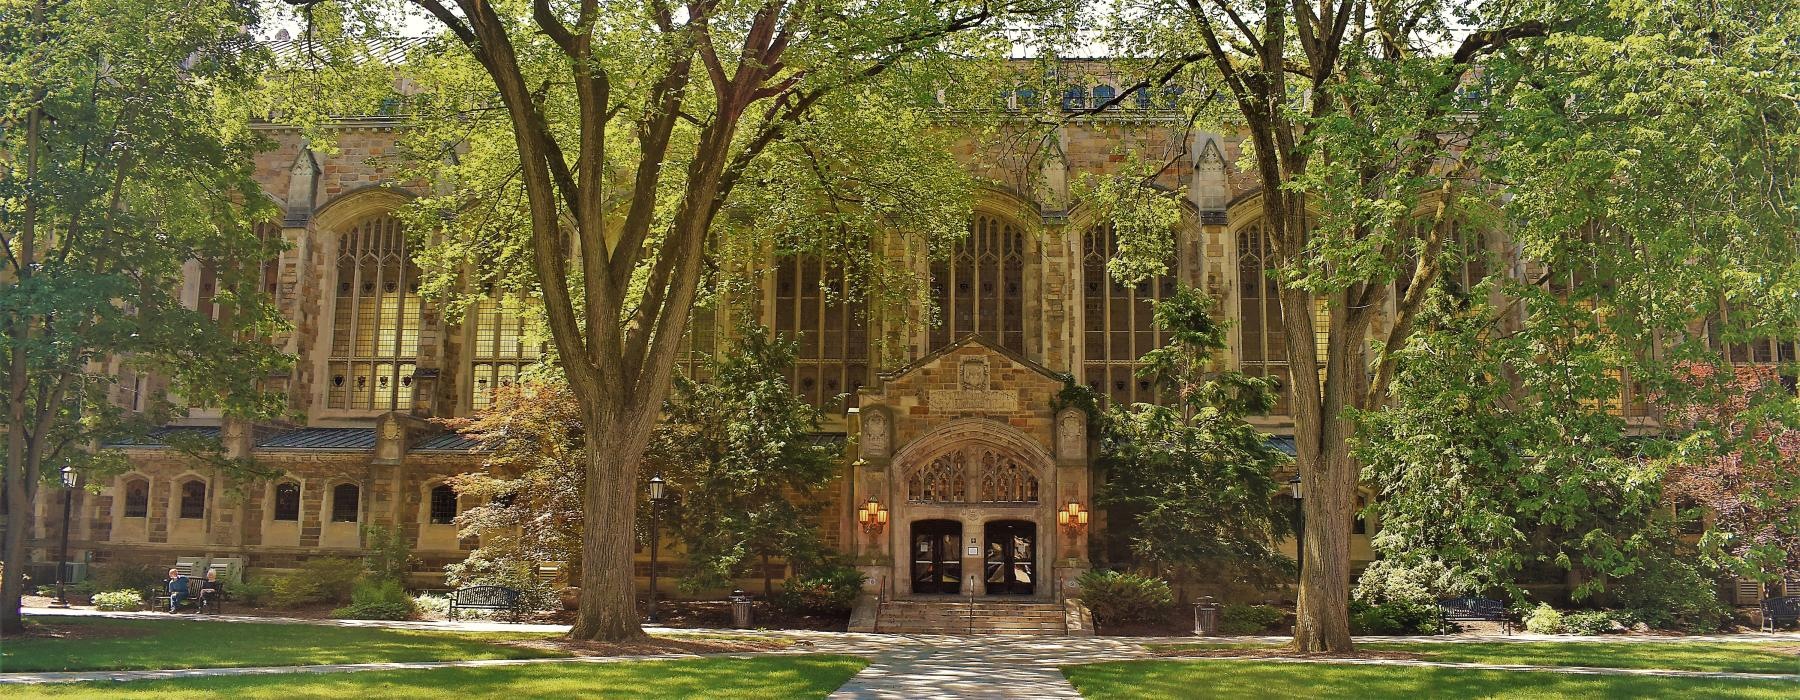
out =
column 951, row 428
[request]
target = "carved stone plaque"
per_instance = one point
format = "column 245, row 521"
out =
column 973, row 374
column 973, row 400
column 1071, row 434
column 875, row 435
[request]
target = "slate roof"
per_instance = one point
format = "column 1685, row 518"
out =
column 158, row 437
column 447, row 442
column 1285, row 443
column 321, row 439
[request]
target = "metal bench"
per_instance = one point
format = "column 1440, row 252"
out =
column 1477, row 610
column 500, row 598
column 1780, row 610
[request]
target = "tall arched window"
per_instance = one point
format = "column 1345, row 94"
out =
column 1264, row 345
column 816, row 307
column 500, row 349
column 1116, row 326
column 287, row 501
column 193, row 499
column 345, row 499
column 375, row 332
column 980, row 288
column 137, row 498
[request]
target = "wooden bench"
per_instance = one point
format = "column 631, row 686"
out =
column 1780, row 610
column 1477, row 610
column 213, row 602
column 500, row 598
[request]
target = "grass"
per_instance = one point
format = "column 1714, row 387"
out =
column 99, row 644
column 1743, row 657
column 809, row 676
column 1232, row 679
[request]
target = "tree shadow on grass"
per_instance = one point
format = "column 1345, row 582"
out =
column 1244, row 679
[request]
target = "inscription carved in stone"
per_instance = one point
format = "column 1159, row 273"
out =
column 973, row 400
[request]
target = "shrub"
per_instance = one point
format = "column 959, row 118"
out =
column 1116, row 596
column 321, row 580
column 1544, row 620
column 1396, row 617
column 433, row 606
column 252, row 593
column 121, row 600
column 481, row 568
column 827, row 590
column 387, row 555
column 119, row 576
column 1237, row 618
column 378, row 600
column 1589, row 622
column 1669, row 593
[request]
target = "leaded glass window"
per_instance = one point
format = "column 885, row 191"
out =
column 980, row 287
column 376, row 315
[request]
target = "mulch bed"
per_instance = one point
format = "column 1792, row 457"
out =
column 43, row 630
column 1286, row 653
column 684, row 644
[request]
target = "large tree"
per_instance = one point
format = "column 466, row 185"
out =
column 124, row 156
column 1375, row 132
column 631, row 129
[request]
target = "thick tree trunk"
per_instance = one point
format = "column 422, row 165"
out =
column 12, row 584
column 1322, row 615
column 608, row 608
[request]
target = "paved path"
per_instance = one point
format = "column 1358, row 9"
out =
column 904, row 666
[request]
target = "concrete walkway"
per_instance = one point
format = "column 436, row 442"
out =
column 904, row 666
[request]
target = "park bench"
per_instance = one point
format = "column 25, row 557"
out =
column 213, row 602
column 1780, row 610
column 1477, row 610
column 501, row 598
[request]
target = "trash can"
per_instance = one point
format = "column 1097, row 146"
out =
column 1206, row 617
column 740, row 609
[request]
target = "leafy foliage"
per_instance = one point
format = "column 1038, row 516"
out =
column 827, row 590
column 738, row 454
column 1119, row 596
column 530, row 485
column 1191, row 485
column 1544, row 620
column 123, row 600
column 1396, row 617
column 378, row 599
column 1239, row 618
column 318, row 580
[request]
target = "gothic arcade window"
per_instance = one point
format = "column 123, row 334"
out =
column 941, row 481
column 137, row 498
column 266, row 276
column 1004, row 480
column 1116, row 327
column 287, row 501
column 344, row 502
column 1264, row 345
column 443, row 504
column 193, row 499
column 816, row 307
column 500, row 349
column 375, row 331
column 980, row 287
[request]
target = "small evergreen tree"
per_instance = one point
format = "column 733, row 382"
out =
column 739, row 458
column 1191, row 484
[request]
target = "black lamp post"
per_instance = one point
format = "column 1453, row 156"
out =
column 62, row 561
column 1299, row 523
column 656, row 501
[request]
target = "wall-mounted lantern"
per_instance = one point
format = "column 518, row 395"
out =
column 1073, row 519
column 872, row 517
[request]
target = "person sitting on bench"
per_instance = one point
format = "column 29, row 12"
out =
column 178, row 589
column 210, row 587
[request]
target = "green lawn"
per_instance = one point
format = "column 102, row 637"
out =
column 98, row 644
column 1256, row 679
column 1681, row 656
column 765, row 677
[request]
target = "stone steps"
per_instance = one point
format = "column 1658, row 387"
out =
column 932, row 617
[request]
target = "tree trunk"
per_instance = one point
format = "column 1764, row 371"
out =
column 608, row 603
column 1322, row 615
column 12, row 583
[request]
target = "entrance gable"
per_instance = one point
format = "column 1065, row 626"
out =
column 967, row 379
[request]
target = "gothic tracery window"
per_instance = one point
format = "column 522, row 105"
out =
column 1263, row 349
column 1004, row 480
column 980, row 287
column 500, row 349
column 940, row 481
column 816, row 307
column 375, row 332
column 137, row 498
column 1116, row 326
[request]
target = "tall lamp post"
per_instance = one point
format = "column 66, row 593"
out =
column 62, row 560
column 1299, row 523
column 656, row 501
